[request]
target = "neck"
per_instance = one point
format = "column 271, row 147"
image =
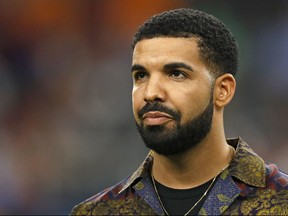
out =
column 194, row 167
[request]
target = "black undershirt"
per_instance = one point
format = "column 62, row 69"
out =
column 180, row 201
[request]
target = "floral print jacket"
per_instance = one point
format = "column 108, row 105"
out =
column 247, row 187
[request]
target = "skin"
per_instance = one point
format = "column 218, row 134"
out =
column 170, row 70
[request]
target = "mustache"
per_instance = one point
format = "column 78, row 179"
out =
column 157, row 106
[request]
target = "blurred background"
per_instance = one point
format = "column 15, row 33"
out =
column 66, row 124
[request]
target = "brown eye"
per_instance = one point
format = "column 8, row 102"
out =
column 177, row 74
column 140, row 75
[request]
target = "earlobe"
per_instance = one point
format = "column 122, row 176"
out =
column 224, row 89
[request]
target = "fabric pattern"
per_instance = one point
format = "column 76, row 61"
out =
column 247, row 187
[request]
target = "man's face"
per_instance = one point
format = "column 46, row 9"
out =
column 172, row 94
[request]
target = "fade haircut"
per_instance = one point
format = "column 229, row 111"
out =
column 217, row 46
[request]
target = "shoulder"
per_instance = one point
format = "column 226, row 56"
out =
column 104, row 200
column 118, row 199
column 268, row 199
column 275, row 178
column 271, row 199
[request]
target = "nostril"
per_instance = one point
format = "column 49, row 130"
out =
column 156, row 99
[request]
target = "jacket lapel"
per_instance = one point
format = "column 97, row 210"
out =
column 222, row 195
column 247, row 167
column 145, row 190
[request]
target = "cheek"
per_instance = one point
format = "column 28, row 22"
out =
column 136, row 103
column 191, row 103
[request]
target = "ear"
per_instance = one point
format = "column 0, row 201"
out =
column 224, row 90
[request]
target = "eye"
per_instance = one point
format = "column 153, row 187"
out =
column 177, row 74
column 139, row 75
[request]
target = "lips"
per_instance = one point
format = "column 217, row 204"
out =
column 156, row 118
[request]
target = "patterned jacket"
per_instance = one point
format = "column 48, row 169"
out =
column 247, row 187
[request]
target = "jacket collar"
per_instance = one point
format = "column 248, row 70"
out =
column 141, row 172
column 246, row 166
column 245, row 174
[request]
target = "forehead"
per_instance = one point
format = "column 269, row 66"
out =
column 166, row 49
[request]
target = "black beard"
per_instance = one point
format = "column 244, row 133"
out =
column 180, row 138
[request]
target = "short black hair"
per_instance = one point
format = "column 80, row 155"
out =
column 217, row 46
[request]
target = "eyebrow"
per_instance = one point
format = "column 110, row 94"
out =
column 166, row 67
column 137, row 67
column 174, row 65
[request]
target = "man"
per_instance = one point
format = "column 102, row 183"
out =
column 183, row 68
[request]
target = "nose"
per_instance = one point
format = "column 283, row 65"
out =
column 154, row 90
